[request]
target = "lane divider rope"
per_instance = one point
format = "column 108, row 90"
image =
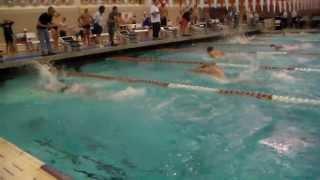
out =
column 230, row 92
column 263, row 67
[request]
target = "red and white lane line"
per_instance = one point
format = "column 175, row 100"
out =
column 257, row 95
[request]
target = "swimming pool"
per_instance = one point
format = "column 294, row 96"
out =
column 140, row 131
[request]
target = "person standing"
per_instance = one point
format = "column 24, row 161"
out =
column 8, row 36
column 56, row 21
column 164, row 13
column 155, row 19
column 85, row 21
column 43, row 26
column 185, row 22
column 112, row 24
column 99, row 23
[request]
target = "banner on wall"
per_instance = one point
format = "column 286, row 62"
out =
column 254, row 5
column 262, row 5
column 280, row 6
column 215, row 3
column 226, row 2
column 246, row 5
column 290, row 5
column 284, row 5
column 274, row 5
column 268, row 5
column 237, row 5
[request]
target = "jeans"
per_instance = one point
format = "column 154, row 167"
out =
column 44, row 38
column 155, row 29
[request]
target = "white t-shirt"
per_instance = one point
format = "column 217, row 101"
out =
column 100, row 19
column 154, row 18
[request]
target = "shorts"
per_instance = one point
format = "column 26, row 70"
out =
column 184, row 23
column 86, row 29
column 97, row 29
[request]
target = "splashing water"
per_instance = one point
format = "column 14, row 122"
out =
column 247, row 74
column 241, row 39
column 287, row 141
column 128, row 93
column 283, row 75
column 48, row 79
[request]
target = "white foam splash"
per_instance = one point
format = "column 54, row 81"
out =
column 283, row 75
column 128, row 93
column 241, row 39
column 165, row 103
column 286, row 142
column 48, row 79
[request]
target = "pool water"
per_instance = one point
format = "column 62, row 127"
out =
column 143, row 132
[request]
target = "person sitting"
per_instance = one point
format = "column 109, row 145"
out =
column 146, row 21
column 63, row 27
column 126, row 19
column 133, row 19
column 213, row 53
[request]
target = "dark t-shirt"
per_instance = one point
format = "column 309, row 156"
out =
column 112, row 18
column 187, row 15
column 7, row 28
column 44, row 19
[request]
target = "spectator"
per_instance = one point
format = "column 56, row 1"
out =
column 164, row 13
column 285, row 19
column 185, row 22
column 26, row 40
column 43, row 26
column 85, row 20
column 112, row 24
column 133, row 19
column 195, row 14
column 63, row 27
column 126, row 19
column 294, row 16
column 155, row 19
column 56, row 20
column 146, row 21
column 8, row 36
column 99, row 22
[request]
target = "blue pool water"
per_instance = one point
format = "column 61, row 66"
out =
column 142, row 132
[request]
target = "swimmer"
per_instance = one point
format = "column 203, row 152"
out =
column 285, row 47
column 55, row 85
column 276, row 47
column 213, row 53
column 211, row 69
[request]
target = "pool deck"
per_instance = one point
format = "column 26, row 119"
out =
column 15, row 164
column 30, row 59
